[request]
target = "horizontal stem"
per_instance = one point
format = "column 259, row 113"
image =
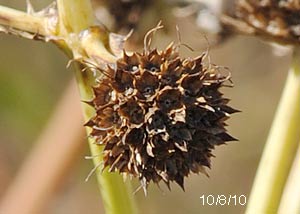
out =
column 23, row 21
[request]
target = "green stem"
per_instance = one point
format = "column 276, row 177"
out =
column 116, row 194
column 290, row 202
column 280, row 148
column 75, row 16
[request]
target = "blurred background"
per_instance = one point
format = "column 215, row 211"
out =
column 34, row 77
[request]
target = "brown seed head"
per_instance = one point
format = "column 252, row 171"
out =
column 277, row 20
column 160, row 116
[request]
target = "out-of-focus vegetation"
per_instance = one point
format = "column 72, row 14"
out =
column 33, row 75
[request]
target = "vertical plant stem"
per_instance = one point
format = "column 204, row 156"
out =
column 290, row 202
column 280, row 148
column 75, row 16
column 116, row 194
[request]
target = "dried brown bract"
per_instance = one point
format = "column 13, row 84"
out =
column 159, row 116
column 277, row 20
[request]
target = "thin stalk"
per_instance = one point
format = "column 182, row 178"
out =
column 280, row 148
column 75, row 16
column 290, row 202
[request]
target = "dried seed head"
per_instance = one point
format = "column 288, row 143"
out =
column 160, row 116
column 278, row 20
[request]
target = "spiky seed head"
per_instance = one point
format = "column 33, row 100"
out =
column 160, row 116
column 278, row 20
